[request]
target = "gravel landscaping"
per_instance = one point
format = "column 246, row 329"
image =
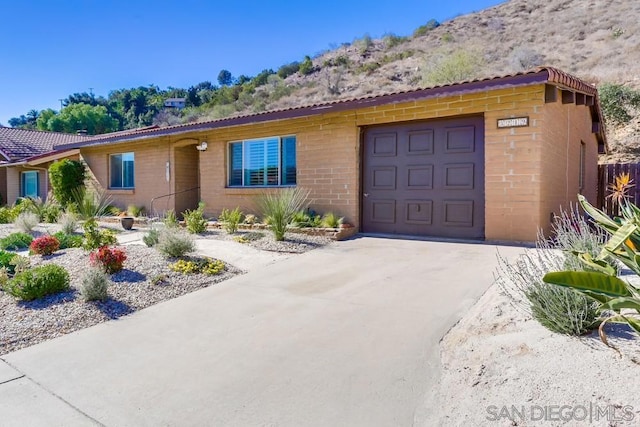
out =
column 294, row 243
column 145, row 280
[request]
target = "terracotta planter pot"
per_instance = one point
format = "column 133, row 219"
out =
column 127, row 222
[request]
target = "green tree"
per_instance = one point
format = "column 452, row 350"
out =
column 455, row 67
column 66, row 176
column 618, row 102
column 94, row 119
column 225, row 78
column 306, row 67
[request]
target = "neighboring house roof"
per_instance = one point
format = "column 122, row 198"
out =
column 20, row 144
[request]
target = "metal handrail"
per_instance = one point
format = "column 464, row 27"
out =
column 169, row 195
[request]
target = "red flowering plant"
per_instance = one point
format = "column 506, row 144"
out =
column 109, row 259
column 44, row 245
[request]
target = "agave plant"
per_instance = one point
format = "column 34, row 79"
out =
column 611, row 293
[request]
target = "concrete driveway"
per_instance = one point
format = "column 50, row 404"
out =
column 346, row 335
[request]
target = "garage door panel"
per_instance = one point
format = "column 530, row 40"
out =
column 383, row 178
column 418, row 212
column 384, row 145
column 419, row 177
column 459, row 176
column 425, row 178
column 460, row 140
column 420, row 143
column 383, row 211
column 458, row 213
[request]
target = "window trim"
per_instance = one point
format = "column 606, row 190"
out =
column 280, row 138
column 111, row 187
column 22, row 183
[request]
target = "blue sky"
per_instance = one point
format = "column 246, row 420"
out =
column 51, row 49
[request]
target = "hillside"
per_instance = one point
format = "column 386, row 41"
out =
column 596, row 40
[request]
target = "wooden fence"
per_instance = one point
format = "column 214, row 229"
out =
column 607, row 176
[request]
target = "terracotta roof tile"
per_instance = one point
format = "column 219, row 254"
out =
column 19, row 144
column 534, row 76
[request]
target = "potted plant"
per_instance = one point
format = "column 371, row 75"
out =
column 126, row 221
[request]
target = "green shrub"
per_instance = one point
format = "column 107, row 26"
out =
column 338, row 61
column 94, row 285
column 558, row 309
column 279, row 207
column 304, row 219
column 6, row 215
column 447, row 38
column 6, row 261
column 194, row 219
column 16, row 241
column 38, row 282
column 26, row 221
column 391, row 40
column 95, row 238
column 46, row 211
column 50, row 213
column 618, row 101
column 368, row 68
column 288, row 69
column 68, row 222
column 332, row 220
column 207, row 266
column 424, row 29
column 134, row 210
column 69, row 240
column 175, row 243
column 363, row 44
column 66, row 176
column 455, row 67
column 306, row 67
column 170, row 219
column 231, row 219
column 151, row 237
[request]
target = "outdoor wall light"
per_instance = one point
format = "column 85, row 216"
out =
column 202, row 147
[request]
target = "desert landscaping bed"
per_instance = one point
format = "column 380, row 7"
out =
column 145, row 280
column 500, row 367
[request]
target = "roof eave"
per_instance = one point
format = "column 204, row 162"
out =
column 419, row 94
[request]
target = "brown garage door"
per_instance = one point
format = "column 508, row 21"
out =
column 425, row 178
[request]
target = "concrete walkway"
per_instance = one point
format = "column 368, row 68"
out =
column 346, row 335
column 242, row 256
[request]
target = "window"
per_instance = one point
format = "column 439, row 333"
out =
column 29, row 184
column 583, row 152
column 263, row 162
column 121, row 170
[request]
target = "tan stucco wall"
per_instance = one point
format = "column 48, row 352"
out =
column 149, row 172
column 522, row 165
column 14, row 181
column 565, row 127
